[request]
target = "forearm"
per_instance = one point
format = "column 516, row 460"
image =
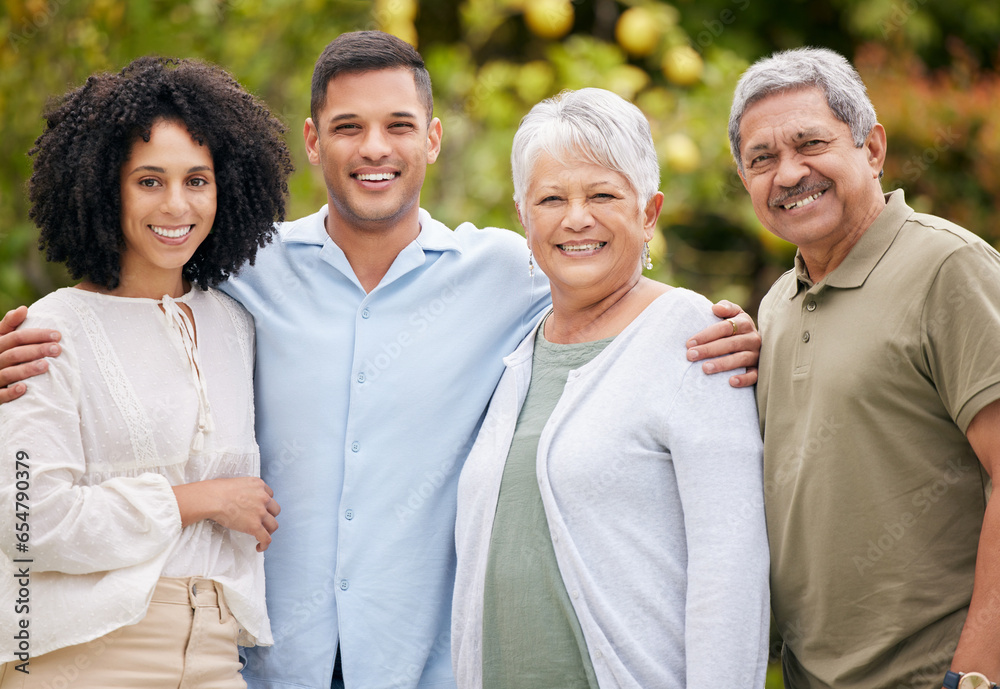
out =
column 243, row 504
column 979, row 645
column 81, row 529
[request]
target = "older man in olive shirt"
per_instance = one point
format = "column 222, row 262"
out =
column 878, row 389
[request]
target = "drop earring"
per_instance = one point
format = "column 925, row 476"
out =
column 531, row 264
column 647, row 262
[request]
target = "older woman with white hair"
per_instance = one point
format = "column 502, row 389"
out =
column 610, row 516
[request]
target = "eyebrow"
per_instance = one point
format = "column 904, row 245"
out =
column 803, row 135
column 162, row 171
column 402, row 114
column 810, row 133
column 546, row 187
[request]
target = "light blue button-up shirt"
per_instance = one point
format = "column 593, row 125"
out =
column 367, row 405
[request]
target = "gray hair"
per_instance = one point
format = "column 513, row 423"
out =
column 802, row 68
column 596, row 125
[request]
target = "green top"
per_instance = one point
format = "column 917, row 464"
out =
column 531, row 636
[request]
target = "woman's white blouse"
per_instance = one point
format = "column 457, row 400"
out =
column 137, row 402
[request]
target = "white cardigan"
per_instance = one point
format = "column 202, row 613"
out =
column 105, row 434
column 650, row 474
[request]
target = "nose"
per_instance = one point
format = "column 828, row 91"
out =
column 578, row 216
column 375, row 144
column 791, row 170
column 175, row 200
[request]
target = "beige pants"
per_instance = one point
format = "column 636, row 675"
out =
column 187, row 640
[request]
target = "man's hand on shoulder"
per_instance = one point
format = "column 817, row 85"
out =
column 733, row 343
column 22, row 353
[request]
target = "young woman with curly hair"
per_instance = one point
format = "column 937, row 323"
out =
column 130, row 504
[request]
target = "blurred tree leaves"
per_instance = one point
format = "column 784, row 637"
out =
column 930, row 65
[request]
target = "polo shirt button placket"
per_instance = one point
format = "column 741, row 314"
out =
column 810, row 307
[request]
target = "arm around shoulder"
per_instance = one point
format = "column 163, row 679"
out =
column 22, row 353
column 729, row 345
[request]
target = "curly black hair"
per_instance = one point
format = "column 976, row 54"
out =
column 75, row 187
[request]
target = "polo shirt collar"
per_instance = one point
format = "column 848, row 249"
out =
column 434, row 235
column 865, row 255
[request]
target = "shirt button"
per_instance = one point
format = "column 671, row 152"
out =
column 344, row 585
column 361, row 377
column 811, row 306
column 805, row 336
column 366, row 313
column 576, row 594
column 355, row 446
column 349, row 515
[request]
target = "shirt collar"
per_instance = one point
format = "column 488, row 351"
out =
column 434, row 235
column 308, row 230
column 865, row 255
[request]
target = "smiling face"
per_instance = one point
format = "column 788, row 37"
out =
column 168, row 198
column 585, row 227
column 373, row 142
column 808, row 182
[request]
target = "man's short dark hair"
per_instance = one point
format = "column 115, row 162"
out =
column 366, row 51
column 75, row 189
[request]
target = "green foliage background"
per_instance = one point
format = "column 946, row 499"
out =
column 930, row 65
column 931, row 68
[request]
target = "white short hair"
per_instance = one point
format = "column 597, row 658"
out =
column 591, row 124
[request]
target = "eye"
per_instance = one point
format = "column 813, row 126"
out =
column 605, row 196
column 764, row 157
column 549, row 199
column 346, row 128
column 402, row 126
column 149, row 182
column 198, row 182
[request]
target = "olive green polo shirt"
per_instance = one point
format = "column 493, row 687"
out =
column 874, row 498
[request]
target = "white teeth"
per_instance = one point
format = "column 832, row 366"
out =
column 582, row 247
column 171, row 234
column 377, row 177
column 804, row 202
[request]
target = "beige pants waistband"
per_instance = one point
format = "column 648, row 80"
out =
column 196, row 592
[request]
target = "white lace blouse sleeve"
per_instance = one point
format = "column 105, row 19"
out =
column 76, row 522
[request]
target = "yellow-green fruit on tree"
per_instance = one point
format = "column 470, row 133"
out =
column 396, row 11
column 683, row 65
column 638, row 31
column 549, row 18
column 680, row 153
